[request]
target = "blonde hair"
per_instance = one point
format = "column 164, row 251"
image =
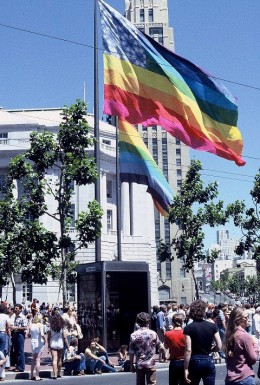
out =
column 37, row 318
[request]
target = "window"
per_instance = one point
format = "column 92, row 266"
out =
column 168, row 269
column 156, row 33
column 2, row 184
column 27, row 292
column 177, row 141
column 144, row 128
column 167, row 237
column 150, row 15
column 157, row 228
column 178, row 172
column 178, row 162
column 141, row 15
column 155, row 150
column 182, row 273
column 165, row 170
column 107, row 142
column 71, row 292
column 178, row 151
column 145, row 141
column 72, row 215
column 3, row 138
column 109, row 188
column 164, row 293
column 109, row 220
column 154, row 128
column 179, row 182
column 159, row 269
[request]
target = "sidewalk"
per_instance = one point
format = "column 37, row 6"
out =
column 46, row 364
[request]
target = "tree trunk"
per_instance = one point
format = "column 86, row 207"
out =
column 195, row 284
column 64, row 277
column 14, row 288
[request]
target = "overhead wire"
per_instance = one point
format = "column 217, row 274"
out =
column 101, row 49
column 92, row 47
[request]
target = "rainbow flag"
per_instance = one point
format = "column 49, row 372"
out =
column 146, row 83
column 137, row 165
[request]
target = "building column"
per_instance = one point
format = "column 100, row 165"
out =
column 125, row 208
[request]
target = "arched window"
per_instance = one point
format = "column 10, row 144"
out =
column 164, row 293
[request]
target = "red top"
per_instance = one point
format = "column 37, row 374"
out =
column 174, row 340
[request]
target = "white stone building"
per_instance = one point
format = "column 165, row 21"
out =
column 139, row 245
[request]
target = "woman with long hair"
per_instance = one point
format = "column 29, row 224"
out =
column 37, row 345
column 201, row 340
column 241, row 349
column 56, row 341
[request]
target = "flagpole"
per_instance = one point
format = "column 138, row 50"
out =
column 118, row 196
column 96, row 125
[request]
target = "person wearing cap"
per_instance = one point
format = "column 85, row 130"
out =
column 142, row 348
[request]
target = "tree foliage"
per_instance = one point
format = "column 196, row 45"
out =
column 33, row 250
column 193, row 208
column 248, row 219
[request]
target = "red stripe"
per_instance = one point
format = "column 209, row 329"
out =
column 130, row 108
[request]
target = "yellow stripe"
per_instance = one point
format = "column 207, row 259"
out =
column 129, row 134
column 142, row 82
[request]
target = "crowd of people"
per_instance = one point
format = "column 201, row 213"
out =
column 191, row 338
column 56, row 329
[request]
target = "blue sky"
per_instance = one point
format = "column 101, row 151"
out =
column 221, row 36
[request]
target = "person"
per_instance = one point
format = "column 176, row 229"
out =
column 18, row 326
column 199, row 337
column 38, row 341
column 155, row 311
column 221, row 323
column 2, row 366
column 160, row 325
column 97, row 358
column 34, row 307
column 168, row 317
column 4, row 327
column 250, row 312
column 56, row 342
column 241, row 349
column 73, row 361
column 123, row 360
column 143, row 343
column 256, row 323
column 174, row 340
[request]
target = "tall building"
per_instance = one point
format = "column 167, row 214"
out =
column 174, row 284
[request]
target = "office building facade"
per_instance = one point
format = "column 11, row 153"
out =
column 174, row 284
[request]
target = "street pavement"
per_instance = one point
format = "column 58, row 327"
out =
column 121, row 378
column 104, row 379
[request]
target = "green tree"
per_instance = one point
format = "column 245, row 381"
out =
column 66, row 153
column 25, row 245
column 251, row 285
column 235, row 285
column 248, row 219
column 192, row 208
